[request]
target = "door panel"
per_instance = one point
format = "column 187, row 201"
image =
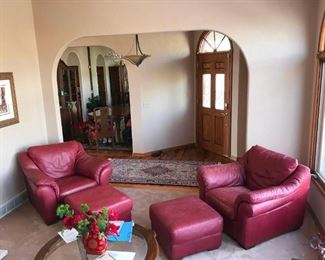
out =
column 114, row 78
column 214, row 101
column 101, row 86
column 219, row 131
column 207, row 128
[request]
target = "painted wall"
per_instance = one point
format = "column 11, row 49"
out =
column 274, row 36
column 18, row 54
column 161, row 88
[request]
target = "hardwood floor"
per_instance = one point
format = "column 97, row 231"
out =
column 185, row 154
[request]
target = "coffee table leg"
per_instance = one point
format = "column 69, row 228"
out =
column 82, row 250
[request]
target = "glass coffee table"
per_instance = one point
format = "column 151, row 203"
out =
column 143, row 243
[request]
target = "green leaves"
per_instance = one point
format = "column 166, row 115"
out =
column 64, row 210
column 84, row 207
column 83, row 222
column 83, row 226
column 92, row 103
column 102, row 224
column 105, row 213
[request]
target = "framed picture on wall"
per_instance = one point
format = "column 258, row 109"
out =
column 8, row 105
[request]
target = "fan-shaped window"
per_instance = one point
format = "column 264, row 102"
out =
column 214, row 42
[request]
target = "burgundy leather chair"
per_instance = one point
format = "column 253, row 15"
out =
column 261, row 196
column 54, row 171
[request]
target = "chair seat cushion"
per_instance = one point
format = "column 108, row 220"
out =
column 102, row 196
column 223, row 200
column 72, row 184
column 185, row 219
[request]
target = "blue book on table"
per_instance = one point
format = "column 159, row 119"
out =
column 125, row 234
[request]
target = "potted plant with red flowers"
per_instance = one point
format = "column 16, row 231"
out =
column 92, row 226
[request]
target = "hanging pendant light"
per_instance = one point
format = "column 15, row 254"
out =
column 137, row 58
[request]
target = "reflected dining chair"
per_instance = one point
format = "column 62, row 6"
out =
column 104, row 125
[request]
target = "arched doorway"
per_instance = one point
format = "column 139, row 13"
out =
column 93, row 68
column 214, row 89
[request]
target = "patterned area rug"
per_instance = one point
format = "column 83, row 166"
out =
column 162, row 172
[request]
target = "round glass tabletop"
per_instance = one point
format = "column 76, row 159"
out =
column 143, row 243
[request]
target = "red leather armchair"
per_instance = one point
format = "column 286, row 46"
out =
column 54, row 171
column 261, row 196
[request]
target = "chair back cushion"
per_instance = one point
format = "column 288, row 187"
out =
column 56, row 160
column 265, row 168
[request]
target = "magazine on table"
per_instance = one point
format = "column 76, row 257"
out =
column 116, row 255
column 124, row 233
column 69, row 235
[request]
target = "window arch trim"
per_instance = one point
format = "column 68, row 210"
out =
column 202, row 39
column 316, row 112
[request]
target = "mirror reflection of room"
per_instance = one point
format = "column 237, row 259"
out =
column 93, row 92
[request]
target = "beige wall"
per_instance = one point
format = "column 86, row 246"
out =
column 161, row 88
column 18, row 54
column 274, row 36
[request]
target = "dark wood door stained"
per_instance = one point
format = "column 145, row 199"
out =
column 213, row 117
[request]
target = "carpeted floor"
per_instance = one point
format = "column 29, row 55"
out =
column 23, row 233
column 166, row 172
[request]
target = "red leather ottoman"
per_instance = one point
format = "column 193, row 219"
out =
column 186, row 226
column 102, row 196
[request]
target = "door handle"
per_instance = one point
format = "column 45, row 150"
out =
column 226, row 105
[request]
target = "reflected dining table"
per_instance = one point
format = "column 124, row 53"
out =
column 117, row 113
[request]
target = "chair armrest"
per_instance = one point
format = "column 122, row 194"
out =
column 297, row 182
column 95, row 168
column 267, row 194
column 219, row 175
column 261, row 201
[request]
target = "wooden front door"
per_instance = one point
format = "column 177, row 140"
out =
column 214, row 72
column 101, row 86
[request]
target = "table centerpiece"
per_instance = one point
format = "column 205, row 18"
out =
column 93, row 226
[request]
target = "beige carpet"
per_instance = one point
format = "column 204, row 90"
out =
column 23, row 233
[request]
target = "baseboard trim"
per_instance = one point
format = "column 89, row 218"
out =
column 184, row 146
column 13, row 203
column 315, row 218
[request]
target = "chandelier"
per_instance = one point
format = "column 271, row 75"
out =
column 138, row 57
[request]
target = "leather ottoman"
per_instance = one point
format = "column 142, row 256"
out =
column 186, row 226
column 102, row 196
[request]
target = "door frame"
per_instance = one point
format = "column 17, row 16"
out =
column 197, row 99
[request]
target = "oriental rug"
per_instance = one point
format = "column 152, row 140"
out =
column 161, row 172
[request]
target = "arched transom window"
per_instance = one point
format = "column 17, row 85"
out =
column 213, row 41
